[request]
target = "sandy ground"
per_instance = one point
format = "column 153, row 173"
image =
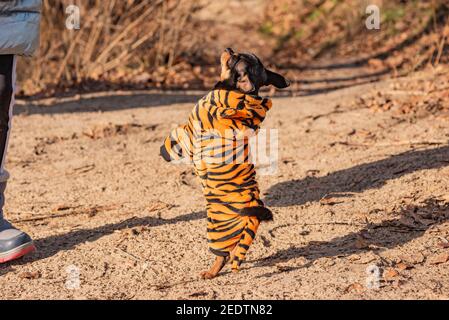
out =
column 355, row 190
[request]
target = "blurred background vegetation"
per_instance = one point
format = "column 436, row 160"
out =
column 175, row 44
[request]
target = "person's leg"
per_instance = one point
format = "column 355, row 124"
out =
column 13, row 242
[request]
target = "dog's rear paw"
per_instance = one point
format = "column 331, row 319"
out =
column 207, row 275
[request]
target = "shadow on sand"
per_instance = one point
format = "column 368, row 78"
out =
column 378, row 236
column 356, row 179
column 49, row 246
column 105, row 101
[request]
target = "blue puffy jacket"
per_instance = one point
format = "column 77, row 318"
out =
column 19, row 26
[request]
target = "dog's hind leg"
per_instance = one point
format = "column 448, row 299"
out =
column 219, row 263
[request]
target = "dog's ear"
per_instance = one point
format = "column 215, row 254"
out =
column 226, row 61
column 276, row 80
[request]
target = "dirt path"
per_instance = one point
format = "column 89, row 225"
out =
column 350, row 193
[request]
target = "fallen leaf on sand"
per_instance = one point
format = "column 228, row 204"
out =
column 444, row 197
column 441, row 258
column 312, row 172
column 63, row 207
column 443, row 245
column 283, row 268
column 198, row 294
column 367, row 258
column 413, row 258
column 407, row 221
column 30, row 275
column 403, row 266
column 421, row 220
column 135, row 231
column 390, row 274
column 397, row 283
column 110, row 130
column 158, row 205
column 361, row 243
column 330, row 201
column 354, row 257
column 355, row 287
column 376, row 63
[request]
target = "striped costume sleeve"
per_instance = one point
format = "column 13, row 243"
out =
column 177, row 145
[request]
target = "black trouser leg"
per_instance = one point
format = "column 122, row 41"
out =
column 13, row 242
column 6, row 99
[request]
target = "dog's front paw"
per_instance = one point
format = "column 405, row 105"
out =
column 207, row 275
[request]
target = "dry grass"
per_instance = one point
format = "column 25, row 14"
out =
column 165, row 43
column 310, row 30
column 117, row 39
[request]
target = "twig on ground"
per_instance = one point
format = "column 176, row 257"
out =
column 391, row 144
column 89, row 210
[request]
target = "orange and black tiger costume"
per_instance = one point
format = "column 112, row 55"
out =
column 215, row 139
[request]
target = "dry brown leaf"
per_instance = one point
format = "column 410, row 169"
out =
column 312, row 172
column 361, row 243
column 285, row 268
column 109, row 130
column 63, row 207
column 407, row 221
column 199, row 294
column 422, row 220
column 135, row 231
column 443, row 245
column 414, row 258
column 403, row 266
column 441, row 258
column 30, row 275
column 390, row 274
column 354, row 257
column 376, row 63
column 367, row 258
column 329, row 201
column 158, row 205
column 355, row 287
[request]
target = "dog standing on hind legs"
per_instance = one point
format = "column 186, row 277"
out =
column 216, row 140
